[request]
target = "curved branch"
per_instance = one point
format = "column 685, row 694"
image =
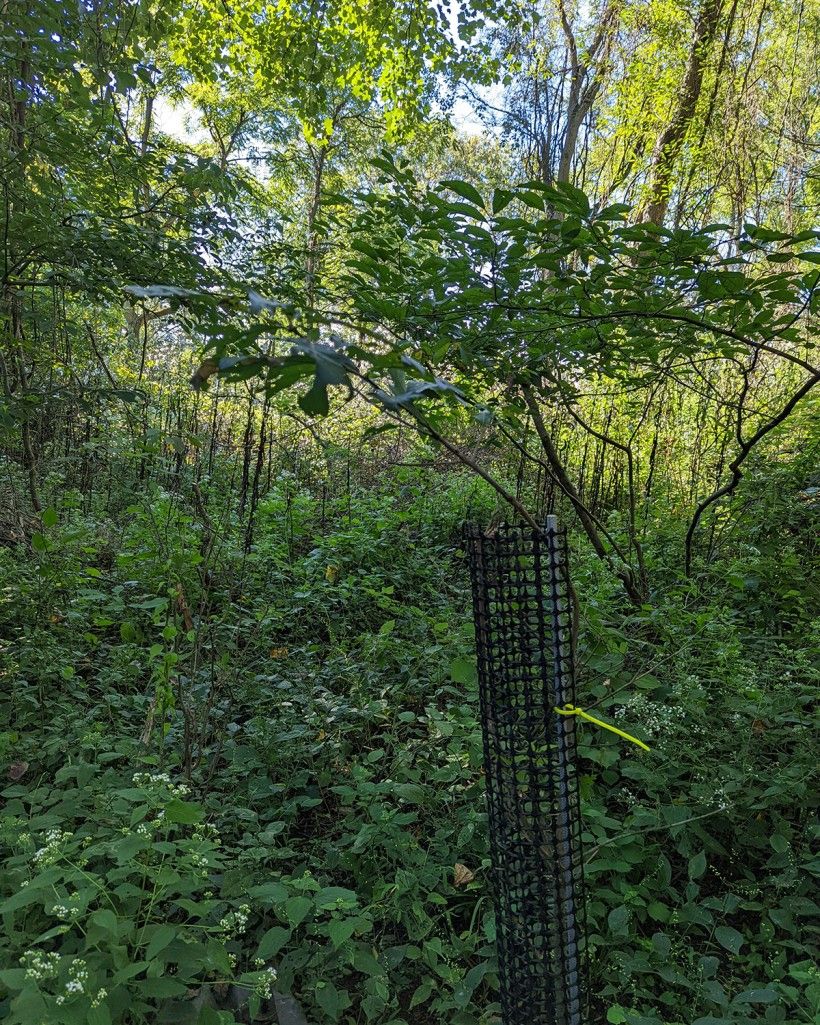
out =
column 735, row 466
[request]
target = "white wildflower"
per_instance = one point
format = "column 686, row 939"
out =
column 52, row 848
column 39, row 965
column 264, row 987
column 236, row 922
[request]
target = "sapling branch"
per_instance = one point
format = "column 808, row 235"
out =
column 736, row 474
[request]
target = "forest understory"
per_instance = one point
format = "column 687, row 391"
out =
column 290, row 294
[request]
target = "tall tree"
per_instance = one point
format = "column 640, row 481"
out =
column 681, row 116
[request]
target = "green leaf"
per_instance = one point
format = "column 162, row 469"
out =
column 13, row 978
column 297, row 909
column 129, row 972
column 332, row 368
column 422, row 993
column 708, row 966
column 465, row 190
column 729, row 938
column 615, row 211
column 38, row 542
column 364, row 961
column 617, row 919
column 336, row 896
column 183, row 812
column 576, row 196
column 416, row 390
column 615, row 1015
column 341, row 929
column 272, row 942
column 697, row 865
column 160, row 938
column 50, row 517
column 501, row 199
column 803, row 971
column 105, row 920
column 716, row 993
column 126, row 849
column 269, row 893
column 463, row 670
column 330, row 999
column 211, row 1016
column 99, row 1015
column 756, row 996
column 161, row 986
column 463, row 992
column 661, row 944
column 760, row 234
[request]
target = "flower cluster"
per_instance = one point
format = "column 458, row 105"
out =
column 39, row 965
column 148, row 828
column 656, row 719
column 207, row 831
column 236, row 922
column 264, row 986
column 99, row 997
column 76, row 982
column 67, row 911
column 52, row 850
column 159, row 781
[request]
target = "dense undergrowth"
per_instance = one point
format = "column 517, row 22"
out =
column 229, row 772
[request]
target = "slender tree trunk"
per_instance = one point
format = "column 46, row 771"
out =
column 587, row 78
column 592, row 528
column 672, row 137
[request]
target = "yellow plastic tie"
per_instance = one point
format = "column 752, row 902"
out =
column 572, row 710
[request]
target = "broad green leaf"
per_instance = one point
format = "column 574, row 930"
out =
column 335, row 896
column 617, row 919
column 697, row 865
column 272, row 942
column 463, row 671
column 269, row 893
column 99, row 1015
column 341, row 929
column 161, row 936
column 327, row 997
column 160, row 987
column 661, row 944
column 465, row 190
column 756, row 996
column 729, row 938
column 297, row 909
column 502, row 199
column 183, row 812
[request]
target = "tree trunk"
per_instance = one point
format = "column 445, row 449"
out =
column 672, row 137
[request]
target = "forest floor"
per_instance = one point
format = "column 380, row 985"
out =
column 227, row 771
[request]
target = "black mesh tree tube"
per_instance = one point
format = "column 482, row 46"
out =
column 523, row 621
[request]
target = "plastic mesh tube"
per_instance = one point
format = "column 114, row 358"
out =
column 523, row 625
